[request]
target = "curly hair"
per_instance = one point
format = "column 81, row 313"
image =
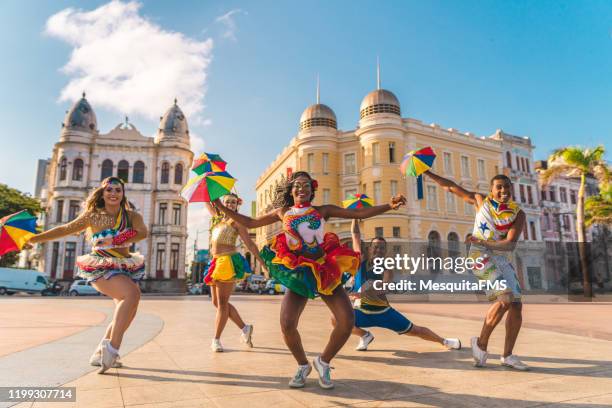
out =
column 96, row 198
column 287, row 196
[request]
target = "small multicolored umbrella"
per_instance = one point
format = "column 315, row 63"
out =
column 208, row 162
column 358, row 201
column 417, row 162
column 208, row 187
column 15, row 230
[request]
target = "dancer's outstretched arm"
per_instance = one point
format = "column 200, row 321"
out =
column 448, row 185
column 73, row 227
column 328, row 211
column 267, row 219
column 244, row 235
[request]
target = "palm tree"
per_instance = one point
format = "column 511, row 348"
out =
column 598, row 208
column 574, row 161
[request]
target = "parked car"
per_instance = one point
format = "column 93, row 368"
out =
column 256, row 283
column 14, row 280
column 81, row 288
column 198, row 289
column 273, row 287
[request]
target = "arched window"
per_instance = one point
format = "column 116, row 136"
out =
column 434, row 250
column 123, row 170
column 77, row 170
column 107, row 169
column 453, row 245
column 508, row 159
column 138, row 176
column 63, row 166
column 165, row 173
column 178, row 174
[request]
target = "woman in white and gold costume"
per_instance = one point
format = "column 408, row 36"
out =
column 111, row 269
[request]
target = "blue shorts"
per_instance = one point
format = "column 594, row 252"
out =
column 388, row 319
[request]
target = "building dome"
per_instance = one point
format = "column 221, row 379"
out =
column 174, row 122
column 81, row 116
column 379, row 101
column 318, row 115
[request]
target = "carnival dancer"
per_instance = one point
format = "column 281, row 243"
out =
column 111, row 269
column 497, row 227
column 310, row 263
column 371, row 306
column 227, row 267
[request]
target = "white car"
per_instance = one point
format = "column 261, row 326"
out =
column 81, row 287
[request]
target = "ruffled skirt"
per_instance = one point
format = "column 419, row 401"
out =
column 308, row 277
column 93, row 266
column 226, row 268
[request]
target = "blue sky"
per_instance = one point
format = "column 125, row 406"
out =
column 540, row 69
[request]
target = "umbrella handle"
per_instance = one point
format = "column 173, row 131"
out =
column 420, row 187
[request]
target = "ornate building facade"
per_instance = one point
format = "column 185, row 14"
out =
column 154, row 170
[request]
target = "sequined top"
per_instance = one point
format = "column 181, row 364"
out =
column 224, row 233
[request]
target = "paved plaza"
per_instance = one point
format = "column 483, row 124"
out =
column 168, row 362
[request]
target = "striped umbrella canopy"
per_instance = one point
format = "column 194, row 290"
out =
column 208, row 187
column 208, row 162
column 15, row 230
column 417, row 162
column 358, row 201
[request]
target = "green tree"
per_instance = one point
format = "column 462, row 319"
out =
column 575, row 161
column 598, row 208
column 12, row 201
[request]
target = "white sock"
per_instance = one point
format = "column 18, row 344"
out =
column 303, row 365
column 245, row 328
column 110, row 347
column 323, row 362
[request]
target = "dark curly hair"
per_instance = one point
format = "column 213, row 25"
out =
column 287, row 196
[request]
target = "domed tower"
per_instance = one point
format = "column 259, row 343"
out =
column 80, row 123
column 382, row 140
column 317, row 145
column 173, row 129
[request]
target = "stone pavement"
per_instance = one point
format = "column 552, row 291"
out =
column 176, row 368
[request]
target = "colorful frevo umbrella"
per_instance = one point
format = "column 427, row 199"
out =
column 416, row 163
column 208, row 162
column 208, row 187
column 16, row 230
column 358, row 201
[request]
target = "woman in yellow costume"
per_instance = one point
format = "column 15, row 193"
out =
column 311, row 263
column 227, row 267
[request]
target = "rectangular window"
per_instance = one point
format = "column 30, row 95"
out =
column 375, row 153
column 69, row 258
column 391, row 152
column 377, row 192
column 481, row 170
column 396, row 232
column 553, row 195
column 432, row 198
column 160, row 260
column 364, row 189
column 176, row 214
column 573, row 196
column 325, row 163
column 451, row 206
column 543, row 194
column 529, row 195
column 468, row 209
column 73, row 210
column 563, row 194
column 174, row 260
column 518, row 163
column 310, row 162
column 522, row 192
column 161, row 220
column 349, row 163
column 379, row 232
column 349, row 192
column 527, row 165
column 465, row 166
column 59, row 210
column 448, row 164
column 54, row 259
column 533, row 230
column 567, row 224
column 326, row 196
column 393, row 188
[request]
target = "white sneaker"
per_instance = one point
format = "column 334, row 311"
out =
column 107, row 357
column 513, row 361
column 452, row 344
column 299, row 380
column 324, row 371
column 94, row 360
column 247, row 332
column 216, row 346
column 480, row 356
column 364, row 341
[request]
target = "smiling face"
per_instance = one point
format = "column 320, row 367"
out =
column 231, row 202
column 112, row 194
column 378, row 248
column 301, row 190
column 501, row 190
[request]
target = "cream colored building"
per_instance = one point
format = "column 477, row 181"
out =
column 366, row 160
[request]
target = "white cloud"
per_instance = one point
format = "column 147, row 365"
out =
column 127, row 63
column 230, row 24
column 197, row 144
